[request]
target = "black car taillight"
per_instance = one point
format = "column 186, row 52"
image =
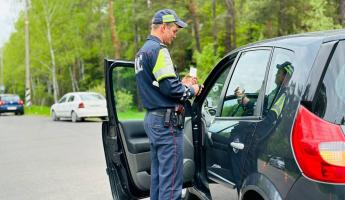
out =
column 319, row 147
column 2, row 103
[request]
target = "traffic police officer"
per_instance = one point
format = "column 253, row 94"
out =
column 163, row 95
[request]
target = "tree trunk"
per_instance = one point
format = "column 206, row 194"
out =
column 342, row 12
column 215, row 31
column 114, row 39
column 282, row 18
column 48, row 18
column 230, row 26
column 72, row 72
column 192, row 7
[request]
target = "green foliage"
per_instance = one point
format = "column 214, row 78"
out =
column 98, row 89
column 81, row 37
column 205, row 61
column 124, row 100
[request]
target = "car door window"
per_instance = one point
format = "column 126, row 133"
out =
column 273, row 88
column 71, row 99
column 63, row 100
column 248, row 77
column 127, row 99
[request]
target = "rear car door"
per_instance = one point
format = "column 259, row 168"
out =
column 125, row 142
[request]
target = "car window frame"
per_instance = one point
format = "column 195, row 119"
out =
column 260, row 99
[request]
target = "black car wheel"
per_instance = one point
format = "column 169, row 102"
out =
column 54, row 117
column 74, row 117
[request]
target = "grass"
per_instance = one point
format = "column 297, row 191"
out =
column 37, row 110
column 45, row 111
column 131, row 115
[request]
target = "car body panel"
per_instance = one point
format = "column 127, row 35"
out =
column 92, row 108
column 267, row 167
column 11, row 103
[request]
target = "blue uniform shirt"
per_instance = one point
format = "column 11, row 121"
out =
column 158, row 83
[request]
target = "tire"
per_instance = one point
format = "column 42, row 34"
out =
column 74, row 117
column 54, row 117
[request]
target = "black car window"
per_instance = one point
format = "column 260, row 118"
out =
column 91, row 97
column 62, row 100
column 71, row 98
column 248, row 77
column 127, row 99
column 329, row 101
column 274, row 87
column 213, row 97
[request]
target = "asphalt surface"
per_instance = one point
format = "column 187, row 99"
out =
column 45, row 160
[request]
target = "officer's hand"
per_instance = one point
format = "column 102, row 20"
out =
column 197, row 89
column 189, row 80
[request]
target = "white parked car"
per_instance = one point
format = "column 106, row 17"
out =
column 80, row 105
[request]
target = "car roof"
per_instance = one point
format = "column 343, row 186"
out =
column 299, row 40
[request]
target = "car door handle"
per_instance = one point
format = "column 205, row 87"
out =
column 237, row 145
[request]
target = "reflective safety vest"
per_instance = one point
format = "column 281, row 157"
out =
column 279, row 100
column 158, row 83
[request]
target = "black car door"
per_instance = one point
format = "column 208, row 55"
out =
column 229, row 124
column 125, row 142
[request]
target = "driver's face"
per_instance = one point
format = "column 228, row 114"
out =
column 280, row 77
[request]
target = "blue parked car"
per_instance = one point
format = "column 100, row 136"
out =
column 11, row 103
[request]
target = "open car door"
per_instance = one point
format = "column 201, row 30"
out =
column 126, row 145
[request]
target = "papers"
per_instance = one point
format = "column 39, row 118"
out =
column 192, row 72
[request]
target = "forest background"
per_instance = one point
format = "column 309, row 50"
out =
column 70, row 39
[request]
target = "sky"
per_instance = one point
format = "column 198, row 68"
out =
column 9, row 10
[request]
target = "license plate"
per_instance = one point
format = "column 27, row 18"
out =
column 11, row 108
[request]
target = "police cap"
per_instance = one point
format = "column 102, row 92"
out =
column 166, row 16
column 287, row 67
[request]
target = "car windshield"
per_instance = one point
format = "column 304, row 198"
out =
column 91, row 97
column 10, row 98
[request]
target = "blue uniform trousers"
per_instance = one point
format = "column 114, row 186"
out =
column 166, row 144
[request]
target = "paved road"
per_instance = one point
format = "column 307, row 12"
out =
column 45, row 160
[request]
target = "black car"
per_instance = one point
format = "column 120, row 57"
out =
column 11, row 103
column 225, row 144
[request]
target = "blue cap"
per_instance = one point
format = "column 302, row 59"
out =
column 287, row 67
column 166, row 16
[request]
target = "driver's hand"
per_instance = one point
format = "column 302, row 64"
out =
column 238, row 92
column 241, row 96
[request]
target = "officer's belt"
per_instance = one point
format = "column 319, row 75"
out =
column 160, row 112
column 172, row 117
